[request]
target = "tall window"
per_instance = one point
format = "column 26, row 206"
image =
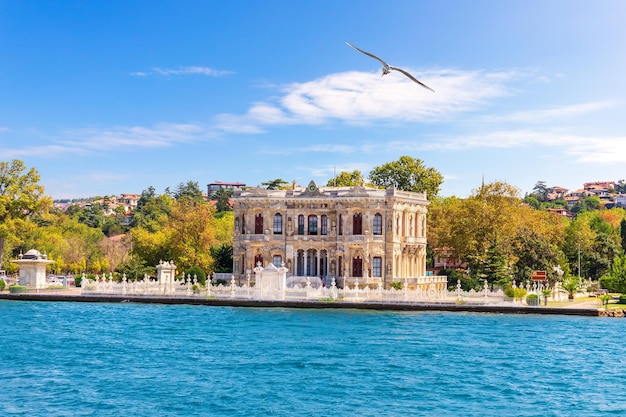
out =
column 258, row 224
column 324, row 224
column 357, row 224
column 258, row 260
column 243, row 224
column 277, row 261
column 312, row 224
column 377, row 263
column 378, row 224
column 357, row 266
column 301, row 224
column 278, row 224
column 340, row 225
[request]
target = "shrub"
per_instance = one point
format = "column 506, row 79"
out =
column 16, row 289
column 198, row 272
column 519, row 293
column 467, row 282
column 532, row 299
column 2, row 284
column 396, row 285
column 516, row 293
column 622, row 299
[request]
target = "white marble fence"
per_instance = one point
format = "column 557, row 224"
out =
column 271, row 284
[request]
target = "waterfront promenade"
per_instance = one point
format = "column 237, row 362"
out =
column 584, row 307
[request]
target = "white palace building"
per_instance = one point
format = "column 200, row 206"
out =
column 354, row 234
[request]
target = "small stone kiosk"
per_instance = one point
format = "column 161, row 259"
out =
column 270, row 282
column 166, row 272
column 32, row 267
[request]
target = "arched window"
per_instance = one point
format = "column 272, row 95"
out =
column 357, row 224
column 378, row 224
column 312, row 224
column 278, row 224
column 324, row 226
column 301, row 224
column 258, row 260
column 258, row 224
column 278, row 260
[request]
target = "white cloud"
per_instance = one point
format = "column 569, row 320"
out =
column 580, row 148
column 329, row 171
column 362, row 98
column 130, row 137
column 47, row 151
column 124, row 138
column 551, row 114
column 193, row 70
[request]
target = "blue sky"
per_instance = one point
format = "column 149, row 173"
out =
column 113, row 97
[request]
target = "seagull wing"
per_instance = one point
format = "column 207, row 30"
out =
column 411, row 77
column 367, row 53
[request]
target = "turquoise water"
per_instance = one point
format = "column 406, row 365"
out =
column 83, row 359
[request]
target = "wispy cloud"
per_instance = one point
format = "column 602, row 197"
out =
column 551, row 114
column 46, row 151
column 132, row 137
column 193, row 70
column 363, row 98
column 125, row 138
column 580, row 148
column 329, row 171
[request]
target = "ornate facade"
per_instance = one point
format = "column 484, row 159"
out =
column 350, row 233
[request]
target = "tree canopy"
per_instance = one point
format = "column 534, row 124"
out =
column 408, row 174
column 21, row 196
column 276, row 184
column 346, row 179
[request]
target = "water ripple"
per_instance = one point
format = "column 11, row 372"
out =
column 80, row 359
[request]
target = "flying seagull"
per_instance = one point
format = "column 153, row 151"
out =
column 388, row 68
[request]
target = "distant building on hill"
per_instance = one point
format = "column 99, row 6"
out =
column 217, row 185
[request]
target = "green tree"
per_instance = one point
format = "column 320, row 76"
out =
column 532, row 201
column 223, row 200
column 190, row 234
column 346, row 179
column 604, row 250
column 276, row 184
column 189, row 191
column 135, row 269
column 222, row 257
column 571, row 284
column 615, row 279
column 534, row 253
column 152, row 211
column 588, row 204
column 496, row 269
column 92, row 215
column 622, row 233
column 408, row 174
column 21, row 197
column 540, row 191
